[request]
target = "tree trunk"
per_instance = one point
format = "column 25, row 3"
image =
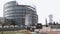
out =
column 2, row 28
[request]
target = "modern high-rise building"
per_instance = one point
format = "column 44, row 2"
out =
column 50, row 18
column 18, row 13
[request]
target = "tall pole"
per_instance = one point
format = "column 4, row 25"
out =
column 46, row 21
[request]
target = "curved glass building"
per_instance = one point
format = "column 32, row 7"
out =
column 19, row 13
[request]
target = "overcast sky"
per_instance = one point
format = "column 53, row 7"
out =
column 43, row 8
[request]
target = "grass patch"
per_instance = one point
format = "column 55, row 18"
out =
column 8, row 32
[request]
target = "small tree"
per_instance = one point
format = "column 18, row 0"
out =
column 7, row 22
column 13, row 23
column 0, row 23
column 39, row 26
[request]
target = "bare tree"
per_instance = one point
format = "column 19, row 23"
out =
column 7, row 22
column 13, row 23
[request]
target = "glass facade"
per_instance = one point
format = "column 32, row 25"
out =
column 18, row 12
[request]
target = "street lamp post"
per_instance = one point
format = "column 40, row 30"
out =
column 2, row 28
